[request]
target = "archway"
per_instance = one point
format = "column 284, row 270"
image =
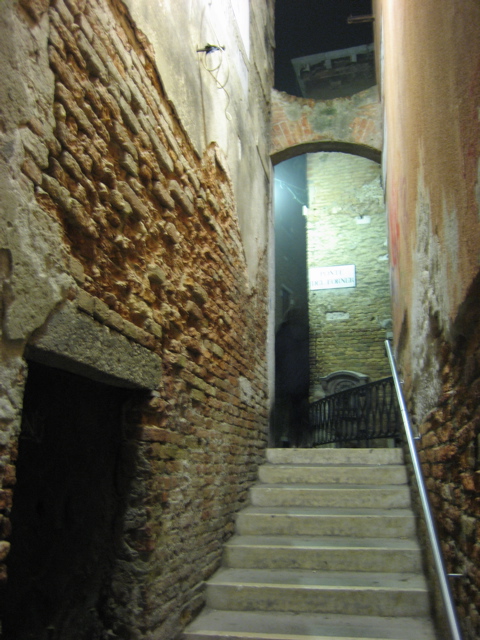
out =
column 357, row 316
column 351, row 125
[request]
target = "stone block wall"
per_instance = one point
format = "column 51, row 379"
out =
column 113, row 214
column 346, row 225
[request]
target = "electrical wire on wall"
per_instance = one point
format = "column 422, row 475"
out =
column 216, row 70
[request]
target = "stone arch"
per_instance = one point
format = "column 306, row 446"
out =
column 312, row 147
column 350, row 125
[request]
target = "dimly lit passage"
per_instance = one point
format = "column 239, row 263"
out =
column 138, row 140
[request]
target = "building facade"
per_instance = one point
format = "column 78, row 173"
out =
column 135, row 206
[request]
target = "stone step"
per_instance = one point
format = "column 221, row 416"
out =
column 340, row 495
column 392, row 523
column 326, row 550
column 345, row 474
column 356, row 457
column 323, row 553
column 350, row 593
column 253, row 625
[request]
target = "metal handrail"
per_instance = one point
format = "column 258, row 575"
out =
column 357, row 414
column 432, row 531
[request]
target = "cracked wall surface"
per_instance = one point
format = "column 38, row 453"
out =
column 134, row 251
column 429, row 75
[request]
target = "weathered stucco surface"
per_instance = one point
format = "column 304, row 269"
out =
column 431, row 157
column 428, row 54
column 215, row 106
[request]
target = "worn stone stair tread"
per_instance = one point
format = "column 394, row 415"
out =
column 326, row 486
column 254, row 625
column 326, row 550
column 402, row 555
column 327, row 457
column 324, row 542
column 319, row 579
column 387, row 496
column 346, row 474
column 311, row 591
column 294, row 520
column 325, row 511
column 334, row 464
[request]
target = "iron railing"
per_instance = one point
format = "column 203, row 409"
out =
column 356, row 416
column 439, row 562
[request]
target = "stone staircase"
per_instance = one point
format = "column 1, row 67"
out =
column 326, row 550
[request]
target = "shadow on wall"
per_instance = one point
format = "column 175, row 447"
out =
column 292, row 380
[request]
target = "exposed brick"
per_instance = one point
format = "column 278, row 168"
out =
column 68, row 101
column 172, row 233
column 77, row 270
column 129, row 164
column 138, row 208
column 6, row 499
column 129, row 117
column 182, row 196
column 35, row 8
column 147, row 267
column 30, row 169
column 340, row 185
column 93, row 62
column 67, row 38
column 120, row 134
column 297, row 121
column 162, row 195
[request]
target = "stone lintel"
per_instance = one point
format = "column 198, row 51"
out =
column 75, row 342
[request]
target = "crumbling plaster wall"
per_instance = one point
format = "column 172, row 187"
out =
column 176, row 30
column 428, row 55
column 138, row 202
column 431, row 163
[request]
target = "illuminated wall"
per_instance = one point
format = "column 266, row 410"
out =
column 346, row 226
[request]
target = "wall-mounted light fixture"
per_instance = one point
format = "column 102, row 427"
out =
column 210, row 48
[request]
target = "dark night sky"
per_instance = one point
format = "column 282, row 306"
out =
column 305, row 27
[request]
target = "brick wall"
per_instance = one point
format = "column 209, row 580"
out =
column 449, row 453
column 302, row 125
column 346, row 225
column 151, row 248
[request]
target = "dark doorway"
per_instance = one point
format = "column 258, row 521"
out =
column 72, row 481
